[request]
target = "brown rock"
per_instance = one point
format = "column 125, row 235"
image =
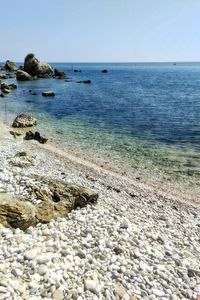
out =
column 15, row 213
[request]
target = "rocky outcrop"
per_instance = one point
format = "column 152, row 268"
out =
column 34, row 67
column 58, row 202
column 24, row 120
column 35, row 136
column 48, row 94
column 10, row 66
column 22, row 160
column 59, row 73
column 23, row 76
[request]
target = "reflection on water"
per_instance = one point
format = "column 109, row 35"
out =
column 145, row 115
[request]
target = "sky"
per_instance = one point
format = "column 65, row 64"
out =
column 100, row 30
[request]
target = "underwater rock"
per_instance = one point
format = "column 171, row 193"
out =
column 48, row 94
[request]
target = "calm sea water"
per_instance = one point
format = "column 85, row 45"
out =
column 147, row 115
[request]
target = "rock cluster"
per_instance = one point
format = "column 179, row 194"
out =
column 35, row 136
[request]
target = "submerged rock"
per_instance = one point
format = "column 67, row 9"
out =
column 104, row 71
column 24, row 120
column 34, row 67
column 23, row 76
column 48, row 94
column 84, row 81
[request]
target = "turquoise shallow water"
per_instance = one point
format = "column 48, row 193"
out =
column 143, row 115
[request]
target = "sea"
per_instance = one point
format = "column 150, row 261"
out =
column 145, row 116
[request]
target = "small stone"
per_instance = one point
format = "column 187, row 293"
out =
column 58, row 295
column 42, row 270
column 120, row 291
column 92, row 286
column 158, row 293
column 125, row 224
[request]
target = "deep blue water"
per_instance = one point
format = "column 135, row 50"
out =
column 156, row 106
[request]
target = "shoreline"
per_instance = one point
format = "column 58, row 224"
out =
column 140, row 241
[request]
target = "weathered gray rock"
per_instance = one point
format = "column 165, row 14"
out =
column 23, row 76
column 10, row 66
column 7, row 88
column 24, row 120
column 34, row 67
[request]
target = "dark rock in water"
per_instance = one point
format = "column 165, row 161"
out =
column 35, row 136
column 23, row 76
column 84, row 81
column 2, row 95
column 24, row 120
column 76, row 71
column 15, row 134
column 10, row 66
column 4, row 76
column 7, row 88
column 34, row 94
column 48, row 94
column 59, row 73
column 104, row 71
column 34, row 67
column 29, row 136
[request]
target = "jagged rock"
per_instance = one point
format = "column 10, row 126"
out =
column 10, row 66
column 24, row 120
column 104, row 71
column 48, row 94
column 61, row 199
column 15, row 213
column 84, row 81
column 59, row 73
column 34, row 67
column 23, row 76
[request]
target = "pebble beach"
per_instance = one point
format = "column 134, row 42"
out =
column 137, row 242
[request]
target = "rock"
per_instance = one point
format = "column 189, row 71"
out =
column 92, row 286
column 76, row 71
column 59, row 73
column 10, row 66
column 23, row 76
column 84, row 81
column 15, row 213
column 125, row 224
column 42, row 270
column 7, row 88
column 34, row 67
column 58, row 295
column 15, row 133
column 120, row 291
column 48, row 93
column 158, row 293
column 24, row 120
column 22, row 159
column 35, row 136
column 4, row 76
column 104, row 71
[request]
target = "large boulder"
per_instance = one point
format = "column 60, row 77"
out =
column 34, row 67
column 24, row 120
column 57, row 200
column 59, row 73
column 23, row 76
column 15, row 213
column 10, row 66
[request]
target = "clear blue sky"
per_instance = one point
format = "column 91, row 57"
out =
column 100, row 30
